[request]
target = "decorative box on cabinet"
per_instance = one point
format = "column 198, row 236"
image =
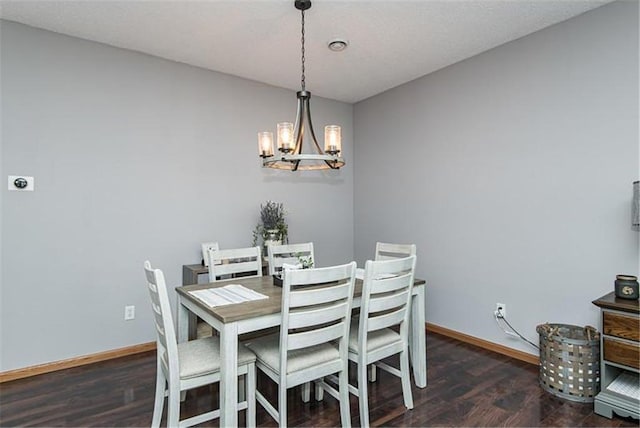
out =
column 620, row 357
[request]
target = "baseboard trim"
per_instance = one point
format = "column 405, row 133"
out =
column 485, row 344
column 75, row 362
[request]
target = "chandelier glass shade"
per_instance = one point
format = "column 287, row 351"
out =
column 291, row 137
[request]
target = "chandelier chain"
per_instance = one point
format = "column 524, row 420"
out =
column 302, row 80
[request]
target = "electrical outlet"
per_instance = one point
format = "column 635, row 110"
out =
column 501, row 310
column 129, row 313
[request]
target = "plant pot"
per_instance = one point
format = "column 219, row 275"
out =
column 271, row 237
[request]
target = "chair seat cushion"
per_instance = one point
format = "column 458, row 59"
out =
column 375, row 339
column 267, row 351
column 202, row 357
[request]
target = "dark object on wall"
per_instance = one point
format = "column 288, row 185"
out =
column 626, row 287
column 635, row 209
column 570, row 361
column 20, row 183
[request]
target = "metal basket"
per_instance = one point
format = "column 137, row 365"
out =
column 570, row 361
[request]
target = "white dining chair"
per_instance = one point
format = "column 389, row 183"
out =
column 206, row 247
column 235, row 261
column 386, row 303
column 312, row 343
column 387, row 251
column 277, row 255
column 187, row 365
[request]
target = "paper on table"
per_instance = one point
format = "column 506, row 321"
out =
column 227, row 295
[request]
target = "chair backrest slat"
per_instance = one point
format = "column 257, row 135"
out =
column 383, row 284
column 320, row 315
column 237, row 267
column 234, row 261
column 388, row 319
column 315, row 337
column 288, row 253
column 387, row 301
column 315, row 295
column 387, row 251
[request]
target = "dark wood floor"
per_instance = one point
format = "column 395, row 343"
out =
column 467, row 386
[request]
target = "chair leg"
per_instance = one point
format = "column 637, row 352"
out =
column 173, row 411
column 282, row 403
column 406, row 382
column 410, row 337
column 363, row 398
column 250, row 378
column 306, row 392
column 373, row 373
column 343, row 382
column 319, row 391
column 158, row 404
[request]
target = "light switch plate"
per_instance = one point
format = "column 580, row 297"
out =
column 11, row 183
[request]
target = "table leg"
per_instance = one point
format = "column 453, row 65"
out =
column 418, row 340
column 229, row 375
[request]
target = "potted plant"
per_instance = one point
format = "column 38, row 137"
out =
column 272, row 228
column 305, row 262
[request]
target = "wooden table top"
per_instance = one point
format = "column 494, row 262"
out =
column 252, row 309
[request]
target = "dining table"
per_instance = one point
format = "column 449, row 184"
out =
column 232, row 320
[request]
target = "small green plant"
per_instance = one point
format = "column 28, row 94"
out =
column 305, row 261
column 272, row 221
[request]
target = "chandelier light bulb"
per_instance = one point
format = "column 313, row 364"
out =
column 265, row 143
column 285, row 136
column 332, row 139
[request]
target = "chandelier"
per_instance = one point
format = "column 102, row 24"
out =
column 290, row 137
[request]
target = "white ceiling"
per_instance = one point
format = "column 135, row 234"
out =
column 390, row 42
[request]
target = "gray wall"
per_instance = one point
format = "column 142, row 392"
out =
column 135, row 158
column 512, row 171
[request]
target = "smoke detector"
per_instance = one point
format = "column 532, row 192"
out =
column 337, row 45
